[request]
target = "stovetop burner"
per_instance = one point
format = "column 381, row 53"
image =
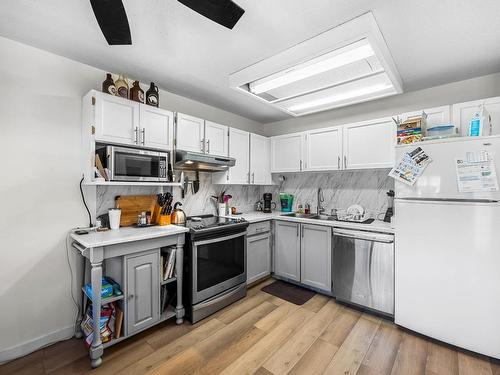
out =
column 204, row 222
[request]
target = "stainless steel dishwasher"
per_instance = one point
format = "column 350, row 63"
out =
column 363, row 269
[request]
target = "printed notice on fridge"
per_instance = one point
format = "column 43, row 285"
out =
column 410, row 167
column 476, row 172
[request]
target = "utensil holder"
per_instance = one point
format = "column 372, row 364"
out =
column 164, row 220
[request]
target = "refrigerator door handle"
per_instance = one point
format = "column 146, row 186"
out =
column 448, row 200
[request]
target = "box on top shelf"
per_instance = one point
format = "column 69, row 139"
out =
column 411, row 130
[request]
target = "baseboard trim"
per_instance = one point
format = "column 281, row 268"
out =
column 28, row 347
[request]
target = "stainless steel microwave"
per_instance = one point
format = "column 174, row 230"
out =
column 130, row 164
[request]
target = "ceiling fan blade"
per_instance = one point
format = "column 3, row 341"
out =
column 224, row 12
column 112, row 20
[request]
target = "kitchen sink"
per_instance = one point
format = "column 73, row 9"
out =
column 323, row 217
column 302, row 216
column 311, row 216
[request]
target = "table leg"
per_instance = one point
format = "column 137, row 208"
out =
column 96, row 348
column 179, row 259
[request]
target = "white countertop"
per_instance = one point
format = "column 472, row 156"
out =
column 256, row 216
column 126, row 234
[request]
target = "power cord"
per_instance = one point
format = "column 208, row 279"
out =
column 84, row 202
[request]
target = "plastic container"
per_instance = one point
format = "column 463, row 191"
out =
column 441, row 131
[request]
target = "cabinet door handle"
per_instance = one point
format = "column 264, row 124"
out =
column 298, row 229
column 143, row 131
column 248, row 177
column 131, row 296
column 136, row 135
column 345, row 162
column 202, row 144
column 301, row 165
column 302, row 231
column 253, row 177
column 338, row 162
column 208, row 146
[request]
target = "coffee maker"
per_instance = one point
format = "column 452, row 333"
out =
column 268, row 203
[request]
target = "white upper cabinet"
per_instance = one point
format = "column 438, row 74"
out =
column 190, row 133
column 216, row 139
column 286, row 152
column 157, row 127
column 239, row 148
column 260, row 164
column 435, row 116
column 323, row 149
column 369, row 144
column 116, row 119
column 462, row 113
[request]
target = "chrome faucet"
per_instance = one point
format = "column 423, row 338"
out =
column 320, row 209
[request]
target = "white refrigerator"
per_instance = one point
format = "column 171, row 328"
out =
column 447, row 255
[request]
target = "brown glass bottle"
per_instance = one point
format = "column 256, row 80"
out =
column 122, row 86
column 136, row 93
column 152, row 95
column 108, row 86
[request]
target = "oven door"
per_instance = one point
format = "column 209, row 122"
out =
column 137, row 165
column 218, row 264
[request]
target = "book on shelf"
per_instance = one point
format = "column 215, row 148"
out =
column 168, row 263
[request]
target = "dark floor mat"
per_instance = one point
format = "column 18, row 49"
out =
column 289, row 292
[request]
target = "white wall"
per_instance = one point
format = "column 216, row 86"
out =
column 456, row 92
column 40, row 109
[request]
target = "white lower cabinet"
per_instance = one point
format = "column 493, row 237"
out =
column 316, row 256
column 143, row 290
column 287, row 250
column 303, row 253
column 258, row 257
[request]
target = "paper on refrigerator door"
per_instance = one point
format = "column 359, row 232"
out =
column 411, row 166
column 476, row 172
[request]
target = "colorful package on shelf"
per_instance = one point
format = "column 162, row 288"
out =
column 411, row 130
column 107, row 323
column 109, row 288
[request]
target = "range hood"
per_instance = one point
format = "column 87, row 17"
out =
column 194, row 161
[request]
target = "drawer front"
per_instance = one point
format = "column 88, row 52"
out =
column 256, row 228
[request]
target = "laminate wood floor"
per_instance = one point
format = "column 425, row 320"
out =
column 262, row 334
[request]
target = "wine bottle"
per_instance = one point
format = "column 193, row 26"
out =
column 152, row 95
column 136, row 93
column 122, row 86
column 108, row 86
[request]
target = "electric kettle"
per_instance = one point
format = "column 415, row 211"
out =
column 178, row 217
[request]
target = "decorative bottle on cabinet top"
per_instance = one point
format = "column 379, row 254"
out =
column 108, row 86
column 136, row 93
column 152, row 95
column 122, row 86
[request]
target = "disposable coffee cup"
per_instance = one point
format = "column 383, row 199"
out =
column 114, row 218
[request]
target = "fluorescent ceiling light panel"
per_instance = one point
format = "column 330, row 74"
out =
column 336, row 59
column 347, row 64
column 340, row 97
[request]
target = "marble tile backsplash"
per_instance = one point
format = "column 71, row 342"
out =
column 340, row 189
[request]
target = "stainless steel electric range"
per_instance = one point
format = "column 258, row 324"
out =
column 215, row 264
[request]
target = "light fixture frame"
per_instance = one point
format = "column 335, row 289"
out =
column 362, row 27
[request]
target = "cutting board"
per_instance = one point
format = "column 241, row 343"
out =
column 133, row 205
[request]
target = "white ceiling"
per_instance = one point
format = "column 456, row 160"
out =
column 432, row 42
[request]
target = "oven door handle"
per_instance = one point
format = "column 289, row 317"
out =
column 218, row 298
column 219, row 239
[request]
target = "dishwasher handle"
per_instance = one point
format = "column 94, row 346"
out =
column 361, row 235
